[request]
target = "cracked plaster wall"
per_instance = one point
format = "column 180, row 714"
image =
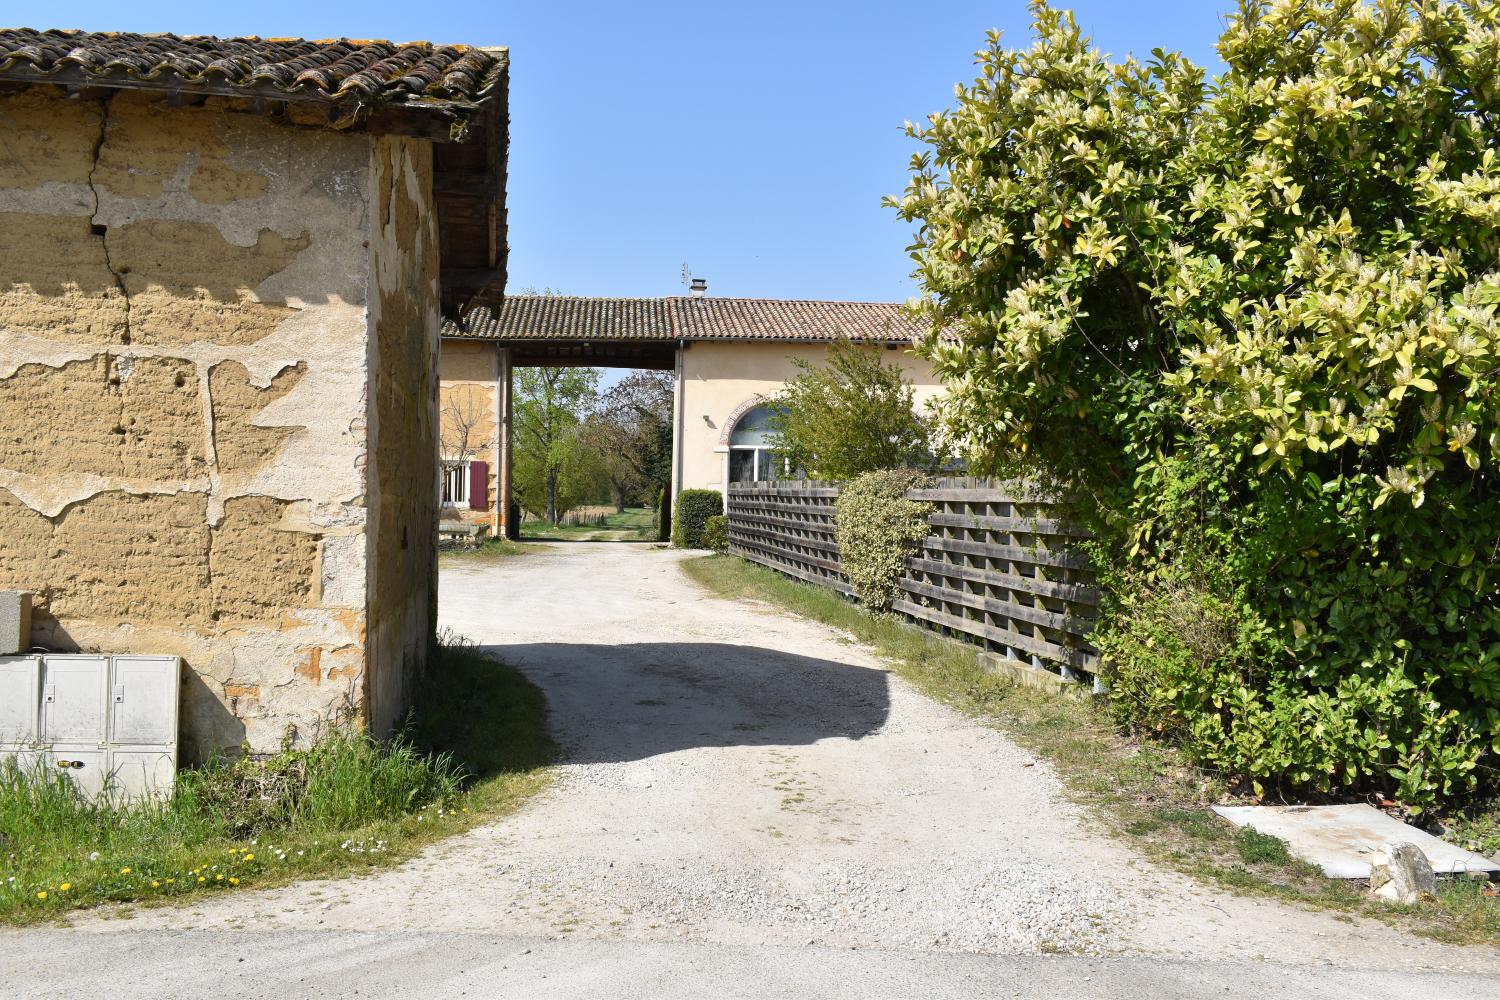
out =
column 183, row 400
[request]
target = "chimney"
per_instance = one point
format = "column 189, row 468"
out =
column 699, row 287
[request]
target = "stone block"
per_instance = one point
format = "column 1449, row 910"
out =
column 15, row 622
column 1401, row 872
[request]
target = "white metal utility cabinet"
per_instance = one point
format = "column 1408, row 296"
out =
column 105, row 721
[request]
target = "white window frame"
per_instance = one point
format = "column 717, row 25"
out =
column 760, row 463
column 455, row 474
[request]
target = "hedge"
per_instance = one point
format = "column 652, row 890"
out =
column 693, row 509
column 877, row 528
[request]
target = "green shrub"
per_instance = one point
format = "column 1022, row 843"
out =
column 716, row 533
column 664, row 514
column 877, row 528
column 694, row 508
column 850, row 415
column 1200, row 667
column 1252, row 321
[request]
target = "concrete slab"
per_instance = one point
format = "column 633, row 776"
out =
column 1340, row 839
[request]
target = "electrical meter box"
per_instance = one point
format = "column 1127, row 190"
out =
column 109, row 723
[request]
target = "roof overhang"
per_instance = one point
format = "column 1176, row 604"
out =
column 469, row 129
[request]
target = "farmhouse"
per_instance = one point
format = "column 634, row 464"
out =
column 222, row 275
column 729, row 355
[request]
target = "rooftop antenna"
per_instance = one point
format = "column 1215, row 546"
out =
column 697, row 286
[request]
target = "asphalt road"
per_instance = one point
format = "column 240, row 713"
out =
column 252, row 965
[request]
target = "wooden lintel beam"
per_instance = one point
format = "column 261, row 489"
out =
column 466, row 185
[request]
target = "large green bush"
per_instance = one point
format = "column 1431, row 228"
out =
column 692, row 511
column 877, row 527
column 1253, row 325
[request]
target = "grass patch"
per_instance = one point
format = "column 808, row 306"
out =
column 636, row 524
column 476, row 749
column 488, row 550
column 1258, row 848
column 1143, row 791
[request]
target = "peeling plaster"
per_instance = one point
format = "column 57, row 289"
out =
column 317, row 187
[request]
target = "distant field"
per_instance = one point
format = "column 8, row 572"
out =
column 596, row 524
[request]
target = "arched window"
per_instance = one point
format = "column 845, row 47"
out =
column 750, row 455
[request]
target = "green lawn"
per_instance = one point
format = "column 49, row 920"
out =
column 477, row 748
column 636, row 524
column 1141, row 790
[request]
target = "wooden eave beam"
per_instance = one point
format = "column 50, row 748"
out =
column 433, row 122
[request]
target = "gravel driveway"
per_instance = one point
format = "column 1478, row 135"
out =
column 740, row 779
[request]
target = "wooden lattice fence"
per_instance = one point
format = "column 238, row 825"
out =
column 1001, row 567
column 788, row 527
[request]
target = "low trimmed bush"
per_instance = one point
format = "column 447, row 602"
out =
column 877, row 528
column 693, row 509
column 716, row 533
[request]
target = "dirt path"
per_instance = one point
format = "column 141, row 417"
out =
column 740, row 778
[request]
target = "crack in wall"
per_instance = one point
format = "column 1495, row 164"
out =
column 100, row 230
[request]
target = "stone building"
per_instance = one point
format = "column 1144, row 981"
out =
column 223, row 267
column 729, row 356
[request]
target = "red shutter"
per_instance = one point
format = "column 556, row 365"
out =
column 479, row 486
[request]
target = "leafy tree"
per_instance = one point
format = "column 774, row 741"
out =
column 554, row 470
column 849, row 416
column 631, row 433
column 1253, row 321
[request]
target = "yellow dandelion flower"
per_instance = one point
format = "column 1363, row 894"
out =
column 124, row 871
column 218, row 878
column 202, row 879
column 171, row 881
column 65, row 887
column 233, row 880
column 248, row 857
column 42, row 894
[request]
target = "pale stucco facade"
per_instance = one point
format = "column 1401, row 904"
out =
column 218, row 403
column 471, row 371
column 724, row 380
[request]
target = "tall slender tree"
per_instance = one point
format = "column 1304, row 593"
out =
column 552, row 464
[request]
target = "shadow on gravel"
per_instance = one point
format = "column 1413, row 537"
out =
column 614, row 703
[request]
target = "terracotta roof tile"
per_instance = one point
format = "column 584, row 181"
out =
column 539, row 317
column 336, row 69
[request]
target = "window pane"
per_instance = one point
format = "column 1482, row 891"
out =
column 753, row 429
column 456, row 483
column 741, row 465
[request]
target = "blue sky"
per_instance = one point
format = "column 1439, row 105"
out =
column 752, row 140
